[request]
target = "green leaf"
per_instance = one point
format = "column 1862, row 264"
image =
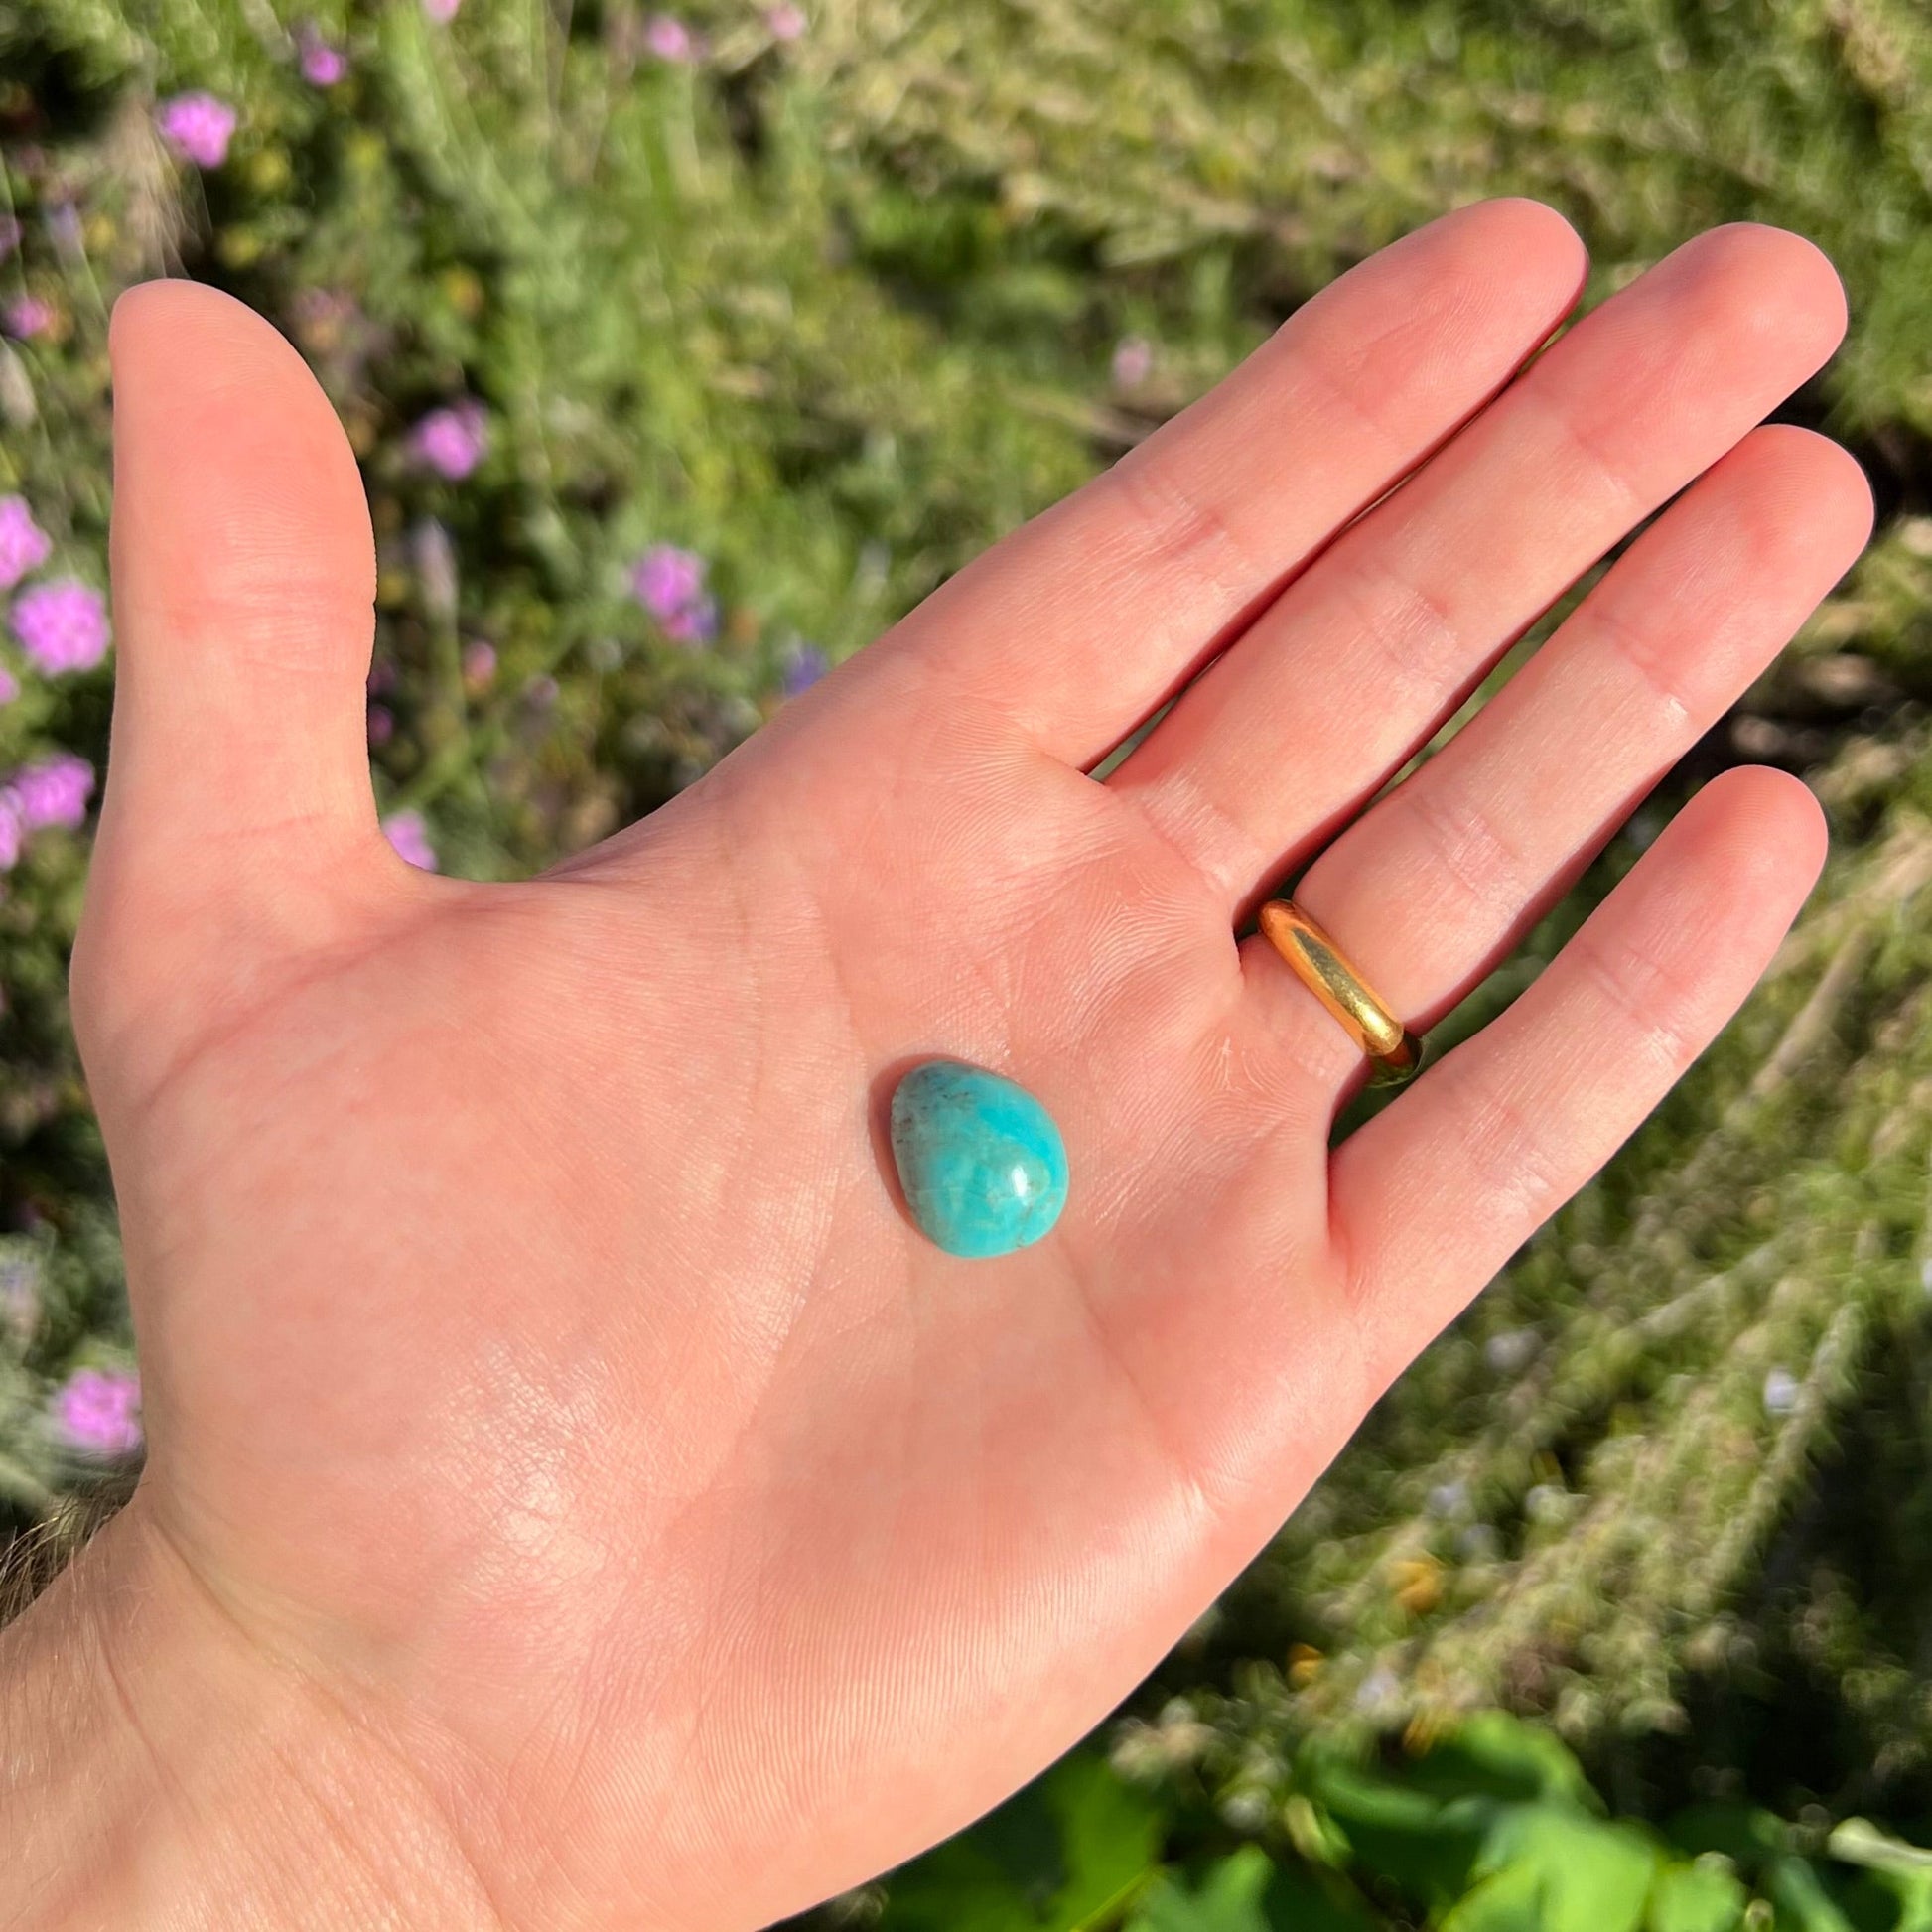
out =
column 1506, row 1901
column 1423, row 1846
column 1702, row 1898
column 1075, row 1844
column 1747, row 1834
column 1566, row 1870
column 1229, row 1899
column 1794, row 1887
column 1246, row 1892
column 1890, row 1902
column 1495, row 1756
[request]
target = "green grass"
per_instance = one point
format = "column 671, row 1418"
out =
column 835, row 314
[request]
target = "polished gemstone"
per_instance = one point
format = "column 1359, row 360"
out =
column 983, row 1166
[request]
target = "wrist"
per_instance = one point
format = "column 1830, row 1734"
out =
column 158, row 1769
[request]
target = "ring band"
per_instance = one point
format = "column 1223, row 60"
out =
column 1394, row 1053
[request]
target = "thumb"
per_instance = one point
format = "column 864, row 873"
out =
column 237, row 820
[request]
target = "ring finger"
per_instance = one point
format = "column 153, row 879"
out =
column 1436, row 882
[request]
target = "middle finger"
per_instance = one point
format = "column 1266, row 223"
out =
column 1364, row 654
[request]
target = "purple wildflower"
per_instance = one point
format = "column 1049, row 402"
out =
column 1133, row 362
column 10, row 832
column 669, row 584
column 442, row 11
column 669, row 39
column 9, row 686
column 786, row 23
column 695, row 623
column 25, row 317
column 61, row 625
column 667, row 579
column 24, row 545
column 63, row 225
column 321, row 65
column 478, row 664
column 805, row 667
column 382, row 724
column 452, row 441
column 407, row 832
column 95, row 1410
column 198, row 127
column 53, row 791
column 542, row 692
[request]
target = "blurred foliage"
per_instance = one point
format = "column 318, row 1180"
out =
column 1490, row 1827
column 833, row 311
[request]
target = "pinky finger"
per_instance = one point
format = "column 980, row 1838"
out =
column 1430, row 1197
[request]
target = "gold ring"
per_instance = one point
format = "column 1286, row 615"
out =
column 1394, row 1053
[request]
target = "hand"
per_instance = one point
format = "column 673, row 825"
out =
column 610, row 1511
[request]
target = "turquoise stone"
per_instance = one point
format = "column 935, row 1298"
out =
column 982, row 1163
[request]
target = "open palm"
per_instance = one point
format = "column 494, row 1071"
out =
column 546, row 1384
